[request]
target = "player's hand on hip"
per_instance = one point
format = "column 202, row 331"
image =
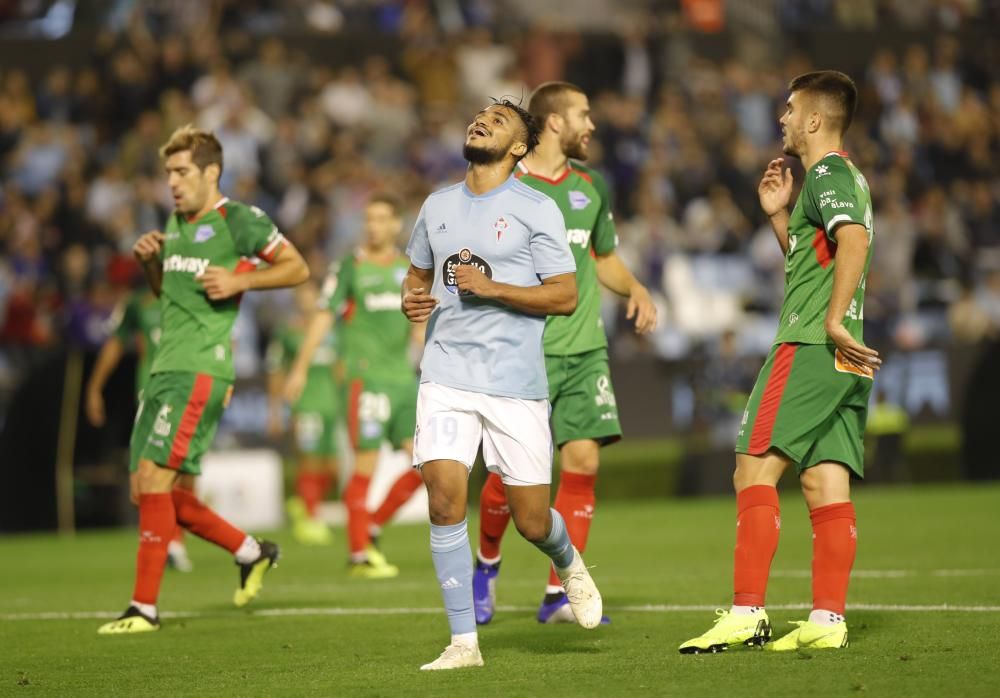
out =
column 94, row 408
column 471, row 279
column 852, row 350
column 220, row 283
column 418, row 304
column 148, row 246
column 642, row 309
column 775, row 188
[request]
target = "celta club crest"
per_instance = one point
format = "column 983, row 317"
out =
column 500, row 226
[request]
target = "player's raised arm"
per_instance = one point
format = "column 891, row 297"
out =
column 148, row 250
column 774, row 192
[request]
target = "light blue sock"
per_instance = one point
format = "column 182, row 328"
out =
column 452, row 557
column 557, row 546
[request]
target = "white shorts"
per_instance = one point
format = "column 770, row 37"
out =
column 515, row 434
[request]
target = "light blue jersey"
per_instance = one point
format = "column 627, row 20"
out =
column 515, row 235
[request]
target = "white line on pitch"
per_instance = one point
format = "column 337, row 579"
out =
column 344, row 611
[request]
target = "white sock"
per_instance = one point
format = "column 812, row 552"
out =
column 248, row 552
column 821, row 616
column 553, row 589
column 745, row 610
column 148, row 609
column 175, row 547
column 467, row 639
column 374, row 531
column 487, row 560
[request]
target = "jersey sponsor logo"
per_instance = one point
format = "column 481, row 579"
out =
column 187, row 265
column 822, row 171
column 463, row 257
column 203, row 233
column 578, row 200
column 605, row 396
column 500, row 226
column 375, row 302
column 830, row 202
column 578, row 236
column 441, row 229
column 162, row 425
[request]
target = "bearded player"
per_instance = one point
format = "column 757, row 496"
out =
column 810, row 403
column 194, row 267
column 584, row 410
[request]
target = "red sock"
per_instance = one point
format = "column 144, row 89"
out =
column 494, row 514
column 193, row 515
column 311, row 487
column 355, row 496
column 178, row 534
column 575, row 501
column 835, row 540
column 758, row 523
column 398, row 495
column 157, row 522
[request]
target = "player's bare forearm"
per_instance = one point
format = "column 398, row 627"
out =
column 287, row 269
column 418, row 303
column 105, row 364
column 852, row 252
column 319, row 327
column 779, row 224
column 555, row 296
column 153, row 271
column 614, row 275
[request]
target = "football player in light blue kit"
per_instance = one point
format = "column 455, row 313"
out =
column 494, row 255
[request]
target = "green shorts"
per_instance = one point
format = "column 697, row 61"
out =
column 315, row 432
column 810, row 406
column 582, row 398
column 380, row 410
column 176, row 420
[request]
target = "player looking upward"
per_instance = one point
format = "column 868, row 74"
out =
column 375, row 340
column 810, row 403
column 488, row 262
column 315, row 416
column 193, row 267
column 584, row 410
column 136, row 320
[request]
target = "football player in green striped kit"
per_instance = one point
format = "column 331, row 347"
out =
column 199, row 266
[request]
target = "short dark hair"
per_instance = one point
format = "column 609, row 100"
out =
column 550, row 98
column 531, row 129
column 204, row 146
column 387, row 199
column 836, row 88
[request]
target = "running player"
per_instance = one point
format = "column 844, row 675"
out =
column 488, row 262
column 315, row 417
column 136, row 320
column 375, row 340
column 584, row 410
column 194, row 267
column 810, row 403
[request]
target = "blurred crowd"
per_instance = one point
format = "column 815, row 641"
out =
column 682, row 139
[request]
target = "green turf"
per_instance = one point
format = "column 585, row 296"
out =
column 939, row 545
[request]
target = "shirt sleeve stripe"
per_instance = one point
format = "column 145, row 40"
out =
column 837, row 220
column 268, row 253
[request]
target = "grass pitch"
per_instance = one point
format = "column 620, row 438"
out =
column 931, row 552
